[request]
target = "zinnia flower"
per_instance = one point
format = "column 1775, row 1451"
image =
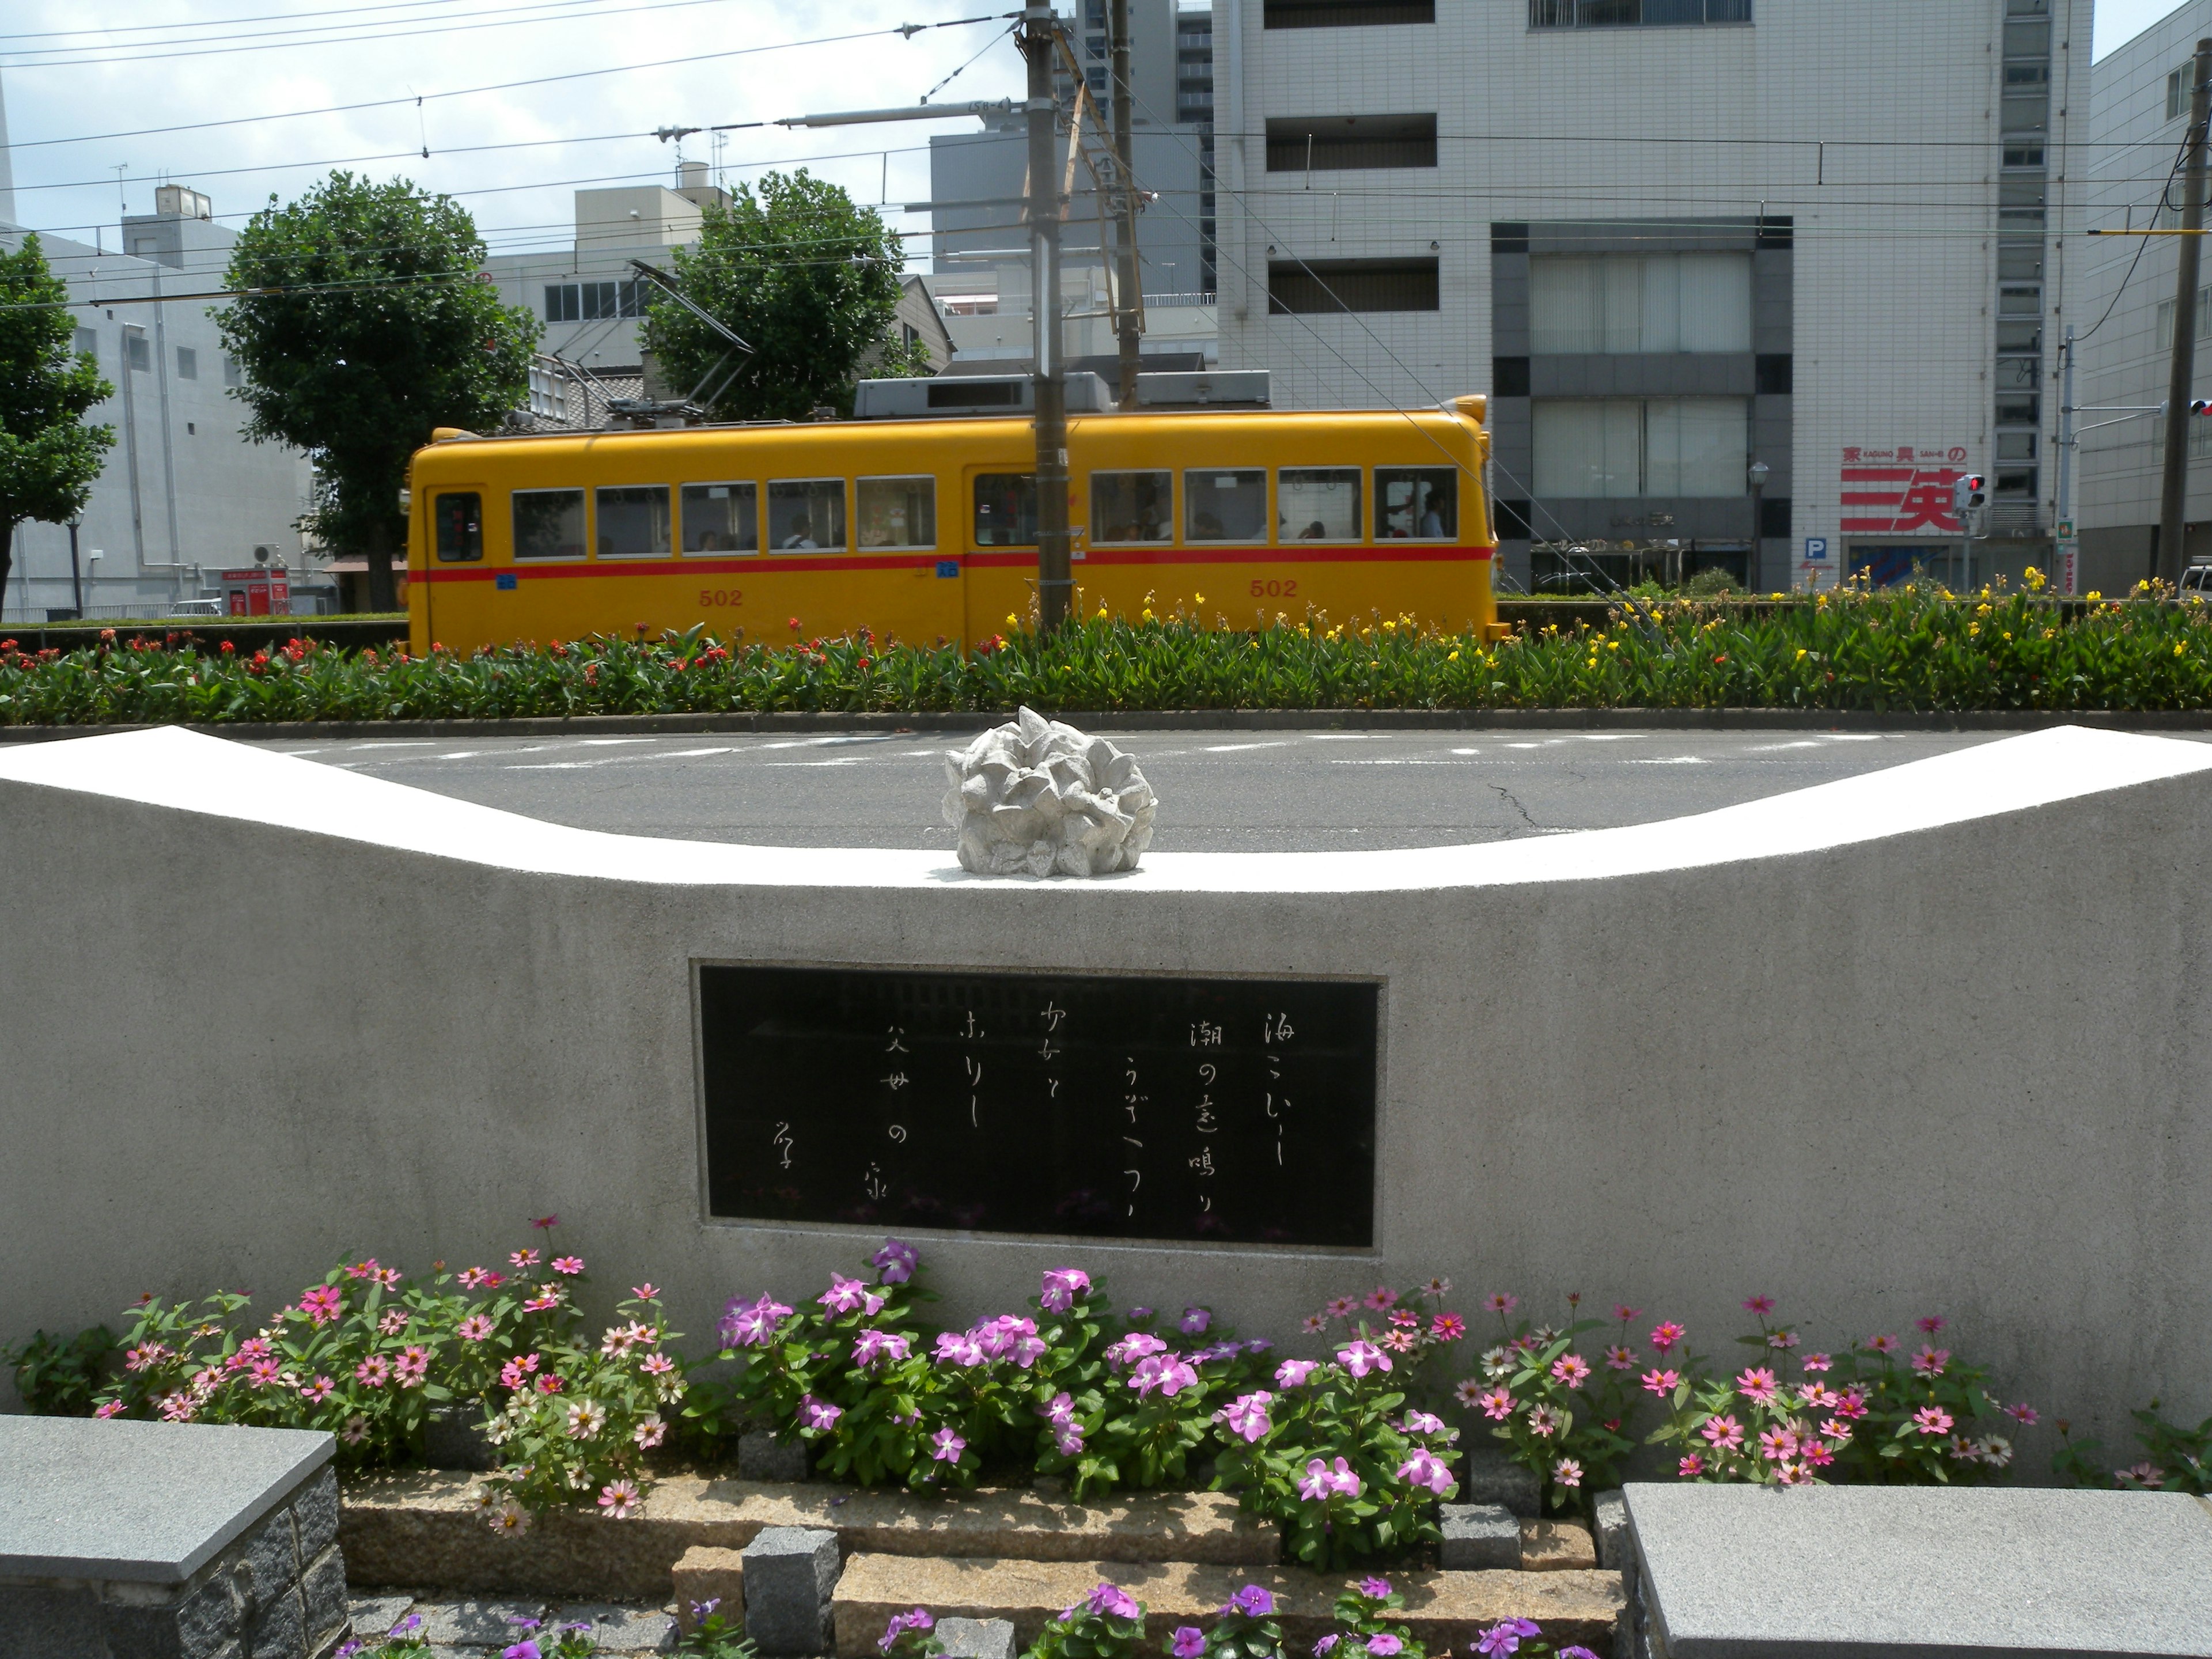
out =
column 1567, row 1472
column 1665, row 1336
column 617, row 1498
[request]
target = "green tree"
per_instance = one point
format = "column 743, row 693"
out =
column 807, row 279
column 48, row 456
column 363, row 327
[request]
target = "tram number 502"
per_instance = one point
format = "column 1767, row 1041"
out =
column 714, row 596
column 1272, row 589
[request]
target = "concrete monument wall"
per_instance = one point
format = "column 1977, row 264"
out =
column 1928, row 1040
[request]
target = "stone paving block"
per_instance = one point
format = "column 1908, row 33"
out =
column 763, row 1457
column 279, row 1628
column 476, row 1624
column 1557, row 1546
column 620, row 1629
column 1479, row 1536
column 1443, row 1609
column 1916, row 1571
column 1609, row 1526
column 790, row 1574
column 976, row 1638
column 375, row 1615
column 1493, row 1477
column 315, row 1516
column 703, row 1574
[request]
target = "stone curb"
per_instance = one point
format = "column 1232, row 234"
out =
column 1195, row 720
column 1442, row 1609
column 421, row 1529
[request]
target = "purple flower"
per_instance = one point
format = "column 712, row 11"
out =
column 1008, row 1337
column 1383, row 1645
column 874, row 1345
column 1577, row 1652
column 1292, row 1373
column 1247, row 1415
column 1258, row 1345
column 1321, row 1480
column 1423, row 1468
column 818, row 1413
column 346, row 1649
column 1166, row 1372
column 1374, row 1589
column 1325, row 1646
column 751, row 1325
column 1113, row 1600
column 1252, row 1601
column 1219, row 1351
column 955, row 1348
column 1195, row 1322
column 1497, row 1642
column 896, row 1262
column 1187, row 1643
column 902, row 1622
column 1131, row 1348
column 1361, row 1358
column 525, row 1650
column 946, row 1447
column 1060, row 1413
column 702, row 1610
column 1423, row 1423
column 1061, row 1287
column 1068, row 1439
column 846, row 1296
column 524, row 1624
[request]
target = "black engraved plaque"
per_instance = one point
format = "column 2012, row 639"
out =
column 1213, row 1110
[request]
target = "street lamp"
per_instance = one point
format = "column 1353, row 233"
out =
column 1758, row 475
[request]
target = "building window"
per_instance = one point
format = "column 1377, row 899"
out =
column 1335, row 285
column 591, row 302
column 1332, row 144
column 2020, row 262
column 140, row 356
column 87, row 344
column 2015, row 446
column 2030, row 39
column 1613, row 447
column 1346, row 14
column 2020, row 409
column 1633, row 14
column 2177, row 90
column 188, row 363
column 1638, row 303
column 2026, row 111
column 2203, row 319
column 234, row 372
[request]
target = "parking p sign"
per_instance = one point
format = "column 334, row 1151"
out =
column 1816, row 547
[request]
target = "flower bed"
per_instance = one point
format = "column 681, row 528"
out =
column 1914, row 647
column 1347, row 1452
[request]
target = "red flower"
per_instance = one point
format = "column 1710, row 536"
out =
column 863, row 665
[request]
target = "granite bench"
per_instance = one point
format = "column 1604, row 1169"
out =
column 167, row 1540
column 1761, row 1572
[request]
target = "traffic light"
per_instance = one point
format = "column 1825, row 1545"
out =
column 1969, row 495
column 2200, row 405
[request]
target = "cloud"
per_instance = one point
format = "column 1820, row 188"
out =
column 578, row 133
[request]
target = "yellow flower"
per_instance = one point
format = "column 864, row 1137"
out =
column 1200, row 597
column 1013, row 620
column 1613, row 645
column 2007, row 636
column 1973, row 628
column 1102, row 613
column 1453, row 657
column 1148, row 615
column 1592, row 663
column 1801, row 654
column 2035, row 580
column 2095, row 594
column 2181, row 650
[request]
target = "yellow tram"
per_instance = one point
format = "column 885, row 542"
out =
column 925, row 529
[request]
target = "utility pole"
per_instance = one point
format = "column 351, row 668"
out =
column 2174, row 505
column 1129, row 291
column 1055, row 582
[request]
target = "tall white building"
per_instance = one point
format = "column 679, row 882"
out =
column 1672, row 239
column 2126, row 307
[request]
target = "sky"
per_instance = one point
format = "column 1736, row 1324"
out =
column 78, row 104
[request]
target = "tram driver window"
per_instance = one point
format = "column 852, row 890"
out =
column 1416, row 503
column 1317, row 504
column 548, row 524
column 721, row 518
column 898, row 512
column 1132, row 506
column 1005, row 509
column 804, row 513
column 1219, row 505
column 633, row 521
column 460, row 520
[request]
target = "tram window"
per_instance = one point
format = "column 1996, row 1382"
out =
column 1223, row 506
column 898, row 512
column 807, row 512
column 1416, row 503
column 721, row 518
column 460, row 518
column 1005, row 509
column 1317, row 504
column 633, row 521
column 1132, row 506
column 548, row 524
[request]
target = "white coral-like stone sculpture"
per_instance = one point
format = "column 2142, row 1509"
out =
column 1036, row 798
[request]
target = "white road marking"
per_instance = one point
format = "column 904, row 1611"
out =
column 684, row 753
column 1344, row 736
column 1467, row 751
column 609, row 742
column 396, row 743
column 1852, row 737
column 1239, row 747
column 1605, row 737
column 1674, row 760
column 823, row 743
column 458, row 754
column 836, row 760
column 1776, row 748
column 561, row 766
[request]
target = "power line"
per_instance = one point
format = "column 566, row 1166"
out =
column 223, row 22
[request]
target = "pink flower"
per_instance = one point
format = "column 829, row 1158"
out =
column 1169, row 1373
column 1784, row 1341
column 1792, row 1473
column 548, row 1222
column 545, row 1300
column 1061, row 1287
column 524, row 1259
column 1817, row 1362
column 1423, row 1468
column 392, row 1323
column 874, row 1345
column 1195, row 1322
column 1322, row 1478
column 1932, row 1324
column 178, row 1407
column 656, row 1365
column 1619, row 1358
column 1381, row 1298
column 1246, row 1415
column 109, row 1409
column 1292, row 1373
column 137, row 1360
column 1691, row 1466
column 751, row 1325
column 1447, row 1327
column 412, row 1365
column 1498, row 1405
column 1929, row 1362
column 1840, row 1432
column 1342, row 1307
column 321, row 1304
column 648, row 1433
column 2145, row 1476
column 1626, row 1315
column 1819, row 1396
column 1758, row 1384
column 374, row 1371
column 896, row 1262
column 1817, row 1453
column 472, row 1278
column 1661, row 1383
column 1503, row 1302
column 1187, row 1643
column 945, row 1446
column 1114, row 1602
column 1777, row 1445
column 819, row 1414
column 515, row 1373
column 1400, row 1341
column 571, row 1265
column 1932, row 1420
column 1882, row 1344
column 474, row 1328
column 617, row 1498
column 1314, row 1324
column 1724, row 1433
column 1665, row 1336
column 1571, row 1369
column 1567, row 1472
column 1543, row 1421
column 1132, row 1347
column 1761, row 1305
column 1853, row 1405
column 1361, row 1358
column 2023, row 1413
column 362, row 1269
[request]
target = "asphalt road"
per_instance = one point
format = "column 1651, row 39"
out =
column 1219, row 790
